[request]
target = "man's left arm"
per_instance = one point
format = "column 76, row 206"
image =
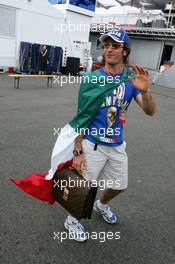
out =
column 144, row 99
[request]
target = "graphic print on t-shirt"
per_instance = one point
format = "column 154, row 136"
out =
column 107, row 127
column 111, row 117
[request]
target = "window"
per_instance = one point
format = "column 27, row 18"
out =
column 7, row 21
column 85, row 4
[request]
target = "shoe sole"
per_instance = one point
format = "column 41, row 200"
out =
column 95, row 208
column 67, row 228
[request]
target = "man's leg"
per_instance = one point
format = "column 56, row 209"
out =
column 114, row 173
column 95, row 161
column 103, row 208
column 108, row 194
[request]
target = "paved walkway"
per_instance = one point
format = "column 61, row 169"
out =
column 146, row 211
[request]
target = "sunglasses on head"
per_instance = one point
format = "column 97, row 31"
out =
column 115, row 45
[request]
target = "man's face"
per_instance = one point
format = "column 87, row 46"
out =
column 113, row 55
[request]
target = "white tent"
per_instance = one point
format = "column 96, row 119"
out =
column 39, row 22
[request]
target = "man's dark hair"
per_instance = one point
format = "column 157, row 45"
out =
column 126, row 57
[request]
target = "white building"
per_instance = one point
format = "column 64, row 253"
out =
column 37, row 21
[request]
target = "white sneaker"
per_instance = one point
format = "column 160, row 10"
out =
column 109, row 216
column 76, row 230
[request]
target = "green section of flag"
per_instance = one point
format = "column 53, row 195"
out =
column 91, row 95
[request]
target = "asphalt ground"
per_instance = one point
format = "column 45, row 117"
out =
column 146, row 211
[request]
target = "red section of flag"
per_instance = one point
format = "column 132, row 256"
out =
column 37, row 186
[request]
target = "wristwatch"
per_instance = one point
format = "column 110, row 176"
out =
column 77, row 152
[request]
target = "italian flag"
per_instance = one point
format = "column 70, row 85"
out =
column 93, row 90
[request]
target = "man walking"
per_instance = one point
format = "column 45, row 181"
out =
column 102, row 155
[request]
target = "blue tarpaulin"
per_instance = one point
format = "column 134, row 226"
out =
column 34, row 57
column 55, row 59
column 57, row 1
column 24, row 56
column 29, row 58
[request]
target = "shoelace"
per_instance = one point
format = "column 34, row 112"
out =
column 78, row 226
column 81, row 233
column 107, row 211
